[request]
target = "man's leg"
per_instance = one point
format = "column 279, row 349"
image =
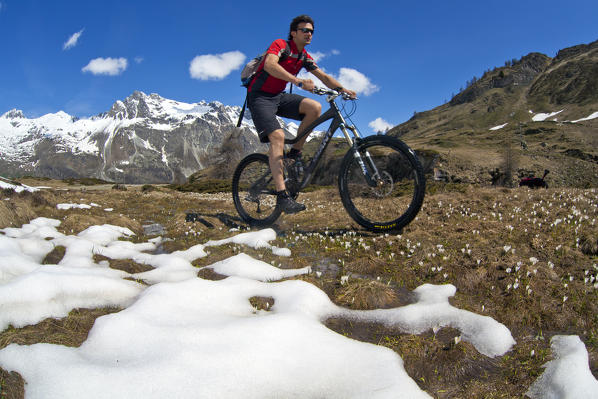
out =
column 275, row 158
column 311, row 109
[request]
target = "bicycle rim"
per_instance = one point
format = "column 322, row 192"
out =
column 254, row 191
column 397, row 195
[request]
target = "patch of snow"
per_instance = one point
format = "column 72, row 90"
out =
column 188, row 337
column 568, row 375
column 260, row 271
column 499, row 126
column 71, row 206
column 256, row 240
column 542, row 116
column 16, row 187
column 587, row 118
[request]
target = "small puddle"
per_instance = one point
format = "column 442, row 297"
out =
column 327, row 267
column 153, row 229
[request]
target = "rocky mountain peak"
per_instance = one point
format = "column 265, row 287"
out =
column 573, row 51
column 134, row 106
column 517, row 73
column 14, row 114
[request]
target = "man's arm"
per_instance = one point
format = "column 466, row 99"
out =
column 272, row 66
column 332, row 82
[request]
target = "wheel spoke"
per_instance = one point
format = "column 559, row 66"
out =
column 396, row 197
column 254, row 191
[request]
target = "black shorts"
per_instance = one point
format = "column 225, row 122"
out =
column 265, row 107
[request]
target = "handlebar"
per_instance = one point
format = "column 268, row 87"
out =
column 331, row 93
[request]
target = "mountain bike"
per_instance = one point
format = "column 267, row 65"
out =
column 381, row 181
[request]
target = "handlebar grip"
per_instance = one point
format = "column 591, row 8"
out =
column 322, row 91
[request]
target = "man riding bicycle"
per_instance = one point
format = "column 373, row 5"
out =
column 266, row 99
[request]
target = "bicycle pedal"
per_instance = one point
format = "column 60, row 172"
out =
column 252, row 198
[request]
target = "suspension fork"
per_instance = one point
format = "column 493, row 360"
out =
column 372, row 177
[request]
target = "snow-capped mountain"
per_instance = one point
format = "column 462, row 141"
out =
column 143, row 139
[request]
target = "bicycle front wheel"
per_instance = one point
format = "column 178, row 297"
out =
column 387, row 192
column 254, row 193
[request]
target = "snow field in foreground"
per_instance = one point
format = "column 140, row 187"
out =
column 188, row 337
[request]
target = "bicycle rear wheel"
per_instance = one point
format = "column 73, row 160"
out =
column 254, row 193
column 395, row 192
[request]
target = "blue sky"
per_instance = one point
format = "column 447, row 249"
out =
column 401, row 56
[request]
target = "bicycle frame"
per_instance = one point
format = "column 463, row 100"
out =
column 338, row 121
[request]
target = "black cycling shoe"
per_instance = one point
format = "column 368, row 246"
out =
column 294, row 155
column 288, row 204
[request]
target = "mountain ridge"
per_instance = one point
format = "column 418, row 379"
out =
column 533, row 114
column 141, row 139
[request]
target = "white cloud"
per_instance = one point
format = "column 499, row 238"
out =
column 72, row 42
column 106, row 66
column 355, row 80
column 215, row 66
column 138, row 60
column 380, row 125
column 317, row 56
column 349, row 78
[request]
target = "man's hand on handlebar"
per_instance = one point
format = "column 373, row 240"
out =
column 307, row 84
column 346, row 94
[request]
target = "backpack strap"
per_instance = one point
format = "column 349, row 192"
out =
column 286, row 53
column 242, row 111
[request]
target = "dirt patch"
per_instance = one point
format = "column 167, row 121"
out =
column 15, row 211
column 12, row 385
column 77, row 221
column 54, row 256
column 126, row 265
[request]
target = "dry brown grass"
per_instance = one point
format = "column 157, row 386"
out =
column 525, row 258
column 16, row 209
column 364, row 294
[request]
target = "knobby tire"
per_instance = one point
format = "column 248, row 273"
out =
column 397, row 198
column 254, row 192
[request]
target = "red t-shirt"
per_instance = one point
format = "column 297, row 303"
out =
column 292, row 63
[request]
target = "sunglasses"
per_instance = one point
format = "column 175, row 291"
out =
column 306, row 30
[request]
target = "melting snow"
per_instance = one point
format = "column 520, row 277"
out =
column 499, row 126
column 70, row 206
column 4, row 184
column 587, row 118
column 189, row 337
column 542, row 117
column 568, row 375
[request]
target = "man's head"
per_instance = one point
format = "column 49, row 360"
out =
column 301, row 22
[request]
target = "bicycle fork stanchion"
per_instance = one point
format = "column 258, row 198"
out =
column 371, row 178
